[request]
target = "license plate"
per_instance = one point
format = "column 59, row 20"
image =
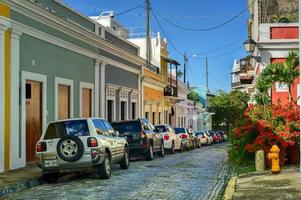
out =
column 50, row 163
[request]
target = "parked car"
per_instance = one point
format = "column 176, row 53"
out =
column 76, row 145
column 172, row 141
column 186, row 139
column 216, row 139
column 209, row 137
column 204, row 139
column 141, row 137
column 196, row 141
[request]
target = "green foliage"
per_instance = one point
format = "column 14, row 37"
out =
column 193, row 95
column 285, row 72
column 228, row 108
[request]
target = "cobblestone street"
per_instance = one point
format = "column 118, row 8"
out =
column 197, row 174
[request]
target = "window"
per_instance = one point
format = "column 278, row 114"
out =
column 110, row 110
column 73, row 127
column 28, row 91
column 133, row 110
column 147, row 115
column 159, row 118
column 108, row 127
column 281, row 87
column 154, row 117
column 123, row 110
column 99, row 124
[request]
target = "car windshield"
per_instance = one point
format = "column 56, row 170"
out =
column 161, row 129
column 199, row 133
column 179, row 130
column 127, row 127
column 72, row 127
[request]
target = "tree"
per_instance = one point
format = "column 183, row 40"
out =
column 228, row 108
column 285, row 72
column 193, row 95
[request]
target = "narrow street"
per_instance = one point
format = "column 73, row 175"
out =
column 197, row 174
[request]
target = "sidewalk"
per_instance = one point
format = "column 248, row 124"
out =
column 17, row 180
column 286, row 185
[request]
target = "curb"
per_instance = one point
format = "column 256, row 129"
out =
column 18, row 186
column 230, row 189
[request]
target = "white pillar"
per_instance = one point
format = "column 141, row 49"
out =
column 142, row 100
column 96, row 88
column 2, row 94
column 102, row 89
column 16, row 158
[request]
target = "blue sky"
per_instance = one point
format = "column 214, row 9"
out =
column 195, row 14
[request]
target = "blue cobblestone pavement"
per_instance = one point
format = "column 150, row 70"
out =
column 197, row 174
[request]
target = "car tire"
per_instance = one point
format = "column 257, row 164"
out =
column 181, row 148
column 172, row 150
column 105, row 169
column 149, row 155
column 125, row 162
column 161, row 153
column 50, row 177
column 65, row 153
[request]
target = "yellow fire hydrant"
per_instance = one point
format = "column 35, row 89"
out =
column 274, row 156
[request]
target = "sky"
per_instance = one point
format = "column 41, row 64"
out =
column 193, row 14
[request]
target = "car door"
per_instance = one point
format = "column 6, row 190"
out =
column 156, row 136
column 117, row 143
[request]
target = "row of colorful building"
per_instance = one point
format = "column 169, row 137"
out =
column 273, row 32
column 56, row 63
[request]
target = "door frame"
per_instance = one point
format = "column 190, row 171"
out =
column 85, row 85
column 43, row 80
column 63, row 81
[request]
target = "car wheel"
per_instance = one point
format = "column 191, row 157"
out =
column 70, row 148
column 173, row 150
column 161, row 153
column 50, row 177
column 181, row 148
column 105, row 169
column 125, row 162
column 149, row 155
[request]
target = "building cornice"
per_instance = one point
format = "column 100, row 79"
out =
column 43, row 16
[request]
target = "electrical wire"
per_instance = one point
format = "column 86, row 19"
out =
column 221, row 55
column 129, row 10
column 203, row 29
column 219, row 48
column 171, row 43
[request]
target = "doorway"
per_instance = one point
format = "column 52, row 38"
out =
column 33, row 93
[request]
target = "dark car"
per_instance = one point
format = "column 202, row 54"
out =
column 141, row 137
column 216, row 138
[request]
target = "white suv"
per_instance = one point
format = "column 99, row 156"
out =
column 172, row 141
column 76, row 145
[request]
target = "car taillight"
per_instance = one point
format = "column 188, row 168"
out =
column 41, row 146
column 184, row 136
column 166, row 137
column 92, row 142
column 143, row 134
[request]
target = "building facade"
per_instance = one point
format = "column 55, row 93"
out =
column 275, row 29
column 58, row 64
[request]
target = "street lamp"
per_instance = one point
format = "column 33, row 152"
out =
column 249, row 46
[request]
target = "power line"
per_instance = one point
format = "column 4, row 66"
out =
column 221, row 55
column 219, row 48
column 171, row 43
column 203, row 29
column 129, row 10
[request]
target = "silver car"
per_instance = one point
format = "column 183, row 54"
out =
column 76, row 145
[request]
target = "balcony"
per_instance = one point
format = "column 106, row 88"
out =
column 236, row 84
column 171, row 91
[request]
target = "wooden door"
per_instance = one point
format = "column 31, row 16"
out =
column 33, row 117
column 86, row 102
column 63, row 101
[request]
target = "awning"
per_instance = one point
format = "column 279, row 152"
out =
column 170, row 60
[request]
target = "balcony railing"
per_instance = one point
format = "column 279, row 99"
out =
column 246, row 74
column 171, row 91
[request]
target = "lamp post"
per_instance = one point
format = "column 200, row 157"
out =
column 249, row 46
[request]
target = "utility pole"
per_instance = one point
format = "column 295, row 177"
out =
column 207, row 85
column 148, row 60
column 185, row 60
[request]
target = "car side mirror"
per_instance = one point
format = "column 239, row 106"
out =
column 116, row 134
column 145, row 127
column 99, row 132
